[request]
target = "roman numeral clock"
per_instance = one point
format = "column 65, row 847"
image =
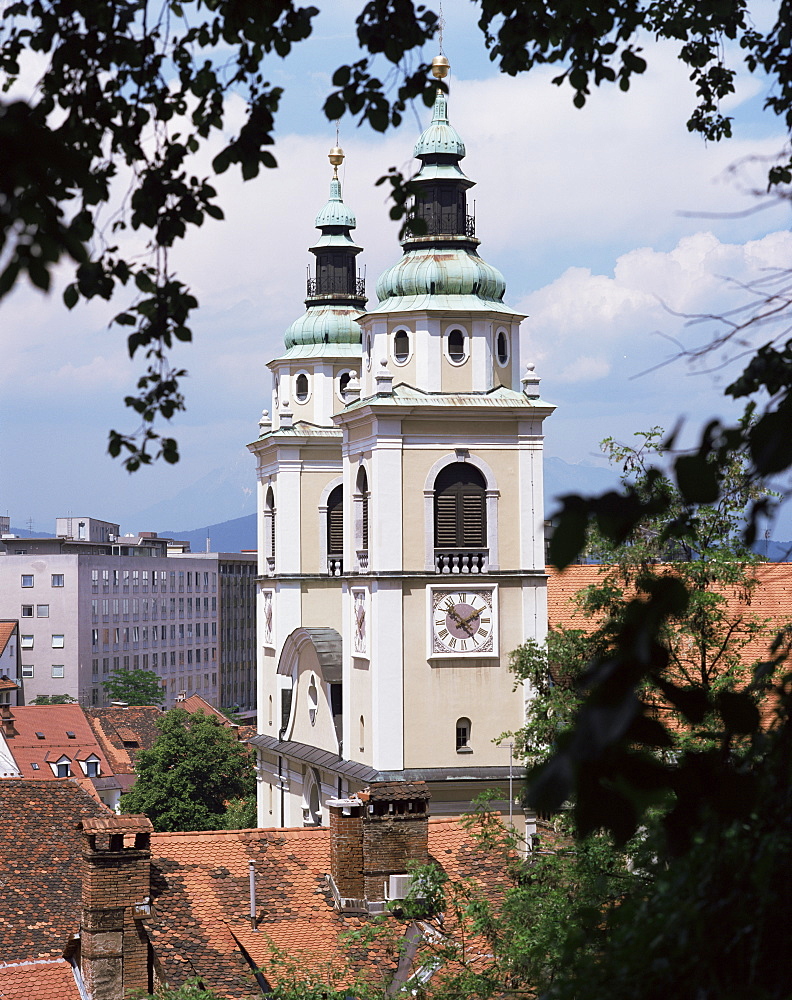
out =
column 463, row 621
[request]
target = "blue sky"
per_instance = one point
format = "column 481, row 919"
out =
column 586, row 212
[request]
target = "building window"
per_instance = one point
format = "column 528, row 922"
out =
column 26, row 641
column 335, row 525
column 92, row 767
column 27, row 610
column 502, row 348
column 269, row 534
column 401, row 347
column 463, row 736
column 313, row 701
column 27, row 579
column 301, row 389
column 42, row 610
column 362, row 513
column 27, row 669
column 343, row 382
column 362, row 734
column 57, row 642
column 460, row 507
column 62, row 768
column 456, row 346
column 58, row 670
column 57, row 579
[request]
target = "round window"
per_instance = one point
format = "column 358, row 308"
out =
column 456, row 346
column 401, row 346
column 502, row 348
column 301, row 388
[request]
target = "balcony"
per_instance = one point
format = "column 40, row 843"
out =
column 461, row 561
column 335, row 565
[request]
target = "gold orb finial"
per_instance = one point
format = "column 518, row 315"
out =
column 336, row 156
column 440, row 67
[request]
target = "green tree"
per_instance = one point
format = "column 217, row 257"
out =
column 53, row 699
column 194, row 769
column 135, row 687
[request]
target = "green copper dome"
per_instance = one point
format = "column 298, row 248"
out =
column 440, row 136
column 436, row 271
column 335, row 212
column 324, row 325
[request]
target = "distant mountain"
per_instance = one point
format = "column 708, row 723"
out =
column 227, row 536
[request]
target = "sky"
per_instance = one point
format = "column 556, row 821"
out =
column 613, row 225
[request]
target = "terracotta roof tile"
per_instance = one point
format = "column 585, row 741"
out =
column 48, row 980
column 54, row 721
column 771, row 600
column 7, row 629
column 117, row 729
column 40, row 849
column 200, row 886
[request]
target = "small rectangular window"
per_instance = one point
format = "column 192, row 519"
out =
column 27, row 579
column 57, row 642
column 58, row 670
column 92, row 768
column 64, row 771
column 35, row 766
column 42, row 610
column 26, row 641
column 27, row 610
column 27, row 669
column 57, row 579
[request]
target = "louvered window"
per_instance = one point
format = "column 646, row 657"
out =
column 460, row 508
column 335, row 522
column 363, row 496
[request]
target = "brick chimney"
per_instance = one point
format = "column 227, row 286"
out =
column 116, row 897
column 7, row 721
column 375, row 834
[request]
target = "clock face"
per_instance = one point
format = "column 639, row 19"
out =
column 463, row 621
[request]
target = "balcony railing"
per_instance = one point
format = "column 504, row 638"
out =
column 336, row 286
column 335, row 565
column 461, row 561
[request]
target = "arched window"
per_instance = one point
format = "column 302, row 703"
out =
column 502, row 348
column 343, row 382
column 401, row 347
column 335, row 530
column 362, row 518
column 463, row 736
column 301, row 387
column 460, row 507
column 362, row 734
column 269, row 529
column 313, row 701
column 456, row 346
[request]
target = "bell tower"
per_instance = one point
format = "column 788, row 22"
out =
column 414, row 559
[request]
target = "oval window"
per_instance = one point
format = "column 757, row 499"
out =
column 401, row 346
column 367, row 352
column 456, row 346
column 503, row 348
column 301, row 388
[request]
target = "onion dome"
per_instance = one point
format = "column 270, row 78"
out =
column 440, row 136
column 427, row 271
column 324, row 325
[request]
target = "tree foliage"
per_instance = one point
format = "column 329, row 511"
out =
column 194, row 769
column 53, row 699
column 135, row 687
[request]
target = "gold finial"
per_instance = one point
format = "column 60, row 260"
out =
column 440, row 67
column 336, row 157
column 336, row 154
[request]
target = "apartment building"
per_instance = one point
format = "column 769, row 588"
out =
column 92, row 601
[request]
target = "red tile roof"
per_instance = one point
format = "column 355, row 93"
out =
column 7, row 629
column 48, row 980
column 40, row 849
column 770, row 600
column 117, row 729
column 54, row 721
column 200, row 886
column 195, row 703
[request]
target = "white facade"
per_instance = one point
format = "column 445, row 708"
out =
column 401, row 547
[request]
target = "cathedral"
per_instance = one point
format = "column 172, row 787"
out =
column 400, row 516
